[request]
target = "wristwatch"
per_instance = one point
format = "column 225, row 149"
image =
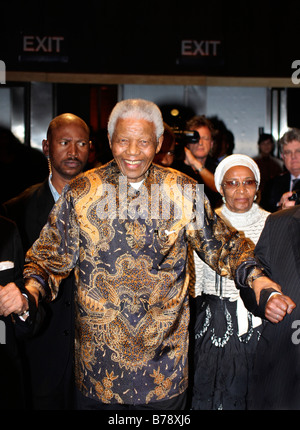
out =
column 24, row 314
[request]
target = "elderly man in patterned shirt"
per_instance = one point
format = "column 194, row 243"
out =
column 125, row 227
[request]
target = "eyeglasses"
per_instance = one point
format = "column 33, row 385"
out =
column 233, row 185
column 288, row 153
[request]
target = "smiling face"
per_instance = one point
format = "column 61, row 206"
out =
column 239, row 199
column 134, row 146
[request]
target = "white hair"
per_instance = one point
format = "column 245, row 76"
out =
column 139, row 109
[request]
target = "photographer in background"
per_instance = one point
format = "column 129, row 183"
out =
column 197, row 161
column 279, row 190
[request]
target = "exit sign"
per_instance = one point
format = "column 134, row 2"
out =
column 43, row 48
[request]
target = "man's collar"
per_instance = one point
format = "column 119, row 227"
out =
column 55, row 194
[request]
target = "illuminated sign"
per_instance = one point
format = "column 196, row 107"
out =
column 207, row 53
column 39, row 48
column 202, row 48
column 42, row 44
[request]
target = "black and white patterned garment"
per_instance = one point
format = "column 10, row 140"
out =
column 224, row 334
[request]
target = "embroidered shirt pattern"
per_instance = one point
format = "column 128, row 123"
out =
column 132, row 314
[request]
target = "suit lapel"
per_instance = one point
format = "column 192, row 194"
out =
column 286, row 182
column 45, row 204
column 295, row 238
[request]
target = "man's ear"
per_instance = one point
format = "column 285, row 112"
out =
column 45, row 146
column 160, row 141
column 109, row 140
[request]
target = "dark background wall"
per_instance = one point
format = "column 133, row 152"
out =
column 256, row 38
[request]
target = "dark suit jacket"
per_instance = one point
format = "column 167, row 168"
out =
column 30, row 211
column 276, row 382
column 50, row 352
column 273, row 191
column 11, row 383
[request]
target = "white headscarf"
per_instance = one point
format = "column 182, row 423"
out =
column 235, row 160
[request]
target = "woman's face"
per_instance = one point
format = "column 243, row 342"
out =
column 239, row 188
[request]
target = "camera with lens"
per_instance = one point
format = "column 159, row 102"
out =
column 295, row 197
column 184, row 137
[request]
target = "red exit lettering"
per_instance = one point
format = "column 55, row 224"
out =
column 42, row 44
column 202, row 48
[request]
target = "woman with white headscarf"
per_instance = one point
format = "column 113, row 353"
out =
column 225, row 334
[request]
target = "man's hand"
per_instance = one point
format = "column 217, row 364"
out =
column 285, row 203
column 197, row 165
column 12, row 300
column 191, row 160
column 278, row 305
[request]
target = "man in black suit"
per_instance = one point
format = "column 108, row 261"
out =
column 11, row 267
column 278, row 189
column 67, row 149
column 276, row 383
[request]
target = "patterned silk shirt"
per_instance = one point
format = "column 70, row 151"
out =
column 129, row 250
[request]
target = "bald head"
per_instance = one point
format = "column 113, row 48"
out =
column 66, row 119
